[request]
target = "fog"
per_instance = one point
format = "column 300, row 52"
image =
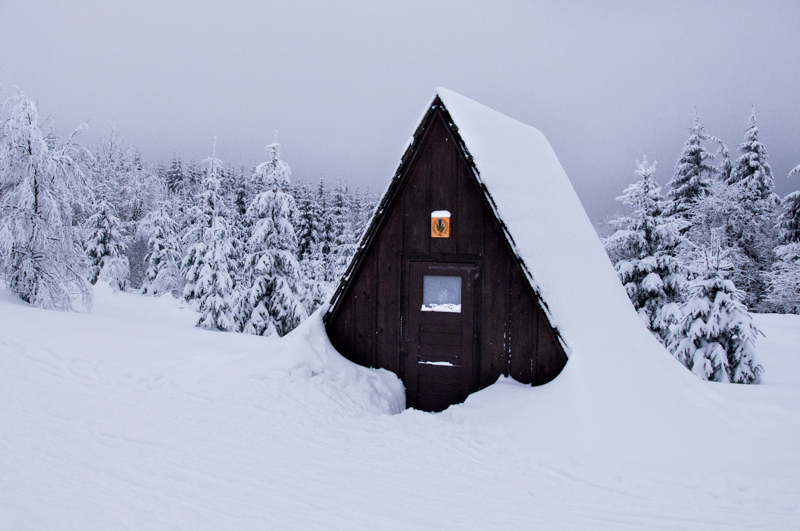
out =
column 343, row 85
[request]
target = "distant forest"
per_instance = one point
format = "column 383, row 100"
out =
column 254, row 251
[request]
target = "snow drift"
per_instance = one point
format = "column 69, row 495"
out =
column 132, row 418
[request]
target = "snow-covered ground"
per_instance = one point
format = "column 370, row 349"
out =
column 129, row 417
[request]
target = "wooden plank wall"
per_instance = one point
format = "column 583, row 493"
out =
column 513, row 335
column 390, row 252
column 496, row 303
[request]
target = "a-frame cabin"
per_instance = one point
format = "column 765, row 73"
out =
column 438, row 292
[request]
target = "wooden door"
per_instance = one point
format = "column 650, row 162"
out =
column 439, row 335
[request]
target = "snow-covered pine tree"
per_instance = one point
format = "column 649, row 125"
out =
column 325, row 247
column 752, row 172
column 106, row 235
column 316, row 290
column 751, row 210
column 105, row 247
column 790, row 219
column 783, row 281
column 643, row 252
column 163, row 257
column 189, row 219
column 228, row 184
column 160, row 174
column 356, row 208
column 132, row 188
column 207, row 264
column 174, row 176
column 344, row 243
column 192, row 179
column 240, row 223
column 715, row 338
column 41, row 183
column 693, row 173
column 121, row 178
column 273, row 303
column 242, row 194
column 368, row 203
column 308, row 214
column 142, row 189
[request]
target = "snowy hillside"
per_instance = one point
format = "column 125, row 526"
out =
column 129, row 417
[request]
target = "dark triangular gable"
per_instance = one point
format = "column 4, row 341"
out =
column 363, row 318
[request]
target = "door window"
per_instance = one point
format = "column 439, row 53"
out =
column 441, row 294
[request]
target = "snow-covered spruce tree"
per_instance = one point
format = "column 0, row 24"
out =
column 192, row 179
column 132, row 188
column 715, row 338
column 40, row 184
column 227, row 182
column 105, row 247
column 174, row 176
column 751, row 209
column 368, row 203
column 324, row 245
column 308, row 214
column 207, row 264
column 189, row 218
column 239, row 222
column 752, row 171
column 141, row 189
column 783, row 280
column 121, row 178
column 163, row 257
column 106, row 179
column 356, row 208
column 789, row 221
column 316, row 290
column 643, row 252
column 272, row 304
column 242, row 194
column 693, row 173
column 344, row 239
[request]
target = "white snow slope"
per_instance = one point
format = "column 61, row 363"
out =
column 131, row 418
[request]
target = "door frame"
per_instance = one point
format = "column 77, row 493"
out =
column 471, row 260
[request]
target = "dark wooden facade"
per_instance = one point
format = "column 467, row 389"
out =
column 375, row 319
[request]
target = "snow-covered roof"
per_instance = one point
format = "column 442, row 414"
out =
column 546, row 224
column 550, row 232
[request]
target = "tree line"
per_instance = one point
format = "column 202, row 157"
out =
column 253, row 251
column 257, row 253
column 721, row 243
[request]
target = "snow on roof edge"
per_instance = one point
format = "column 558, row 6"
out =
column 552, row 235
column 446, row 95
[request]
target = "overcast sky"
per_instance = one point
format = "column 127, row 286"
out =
column 344, row 83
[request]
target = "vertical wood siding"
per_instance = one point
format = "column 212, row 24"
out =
column 512, row 335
